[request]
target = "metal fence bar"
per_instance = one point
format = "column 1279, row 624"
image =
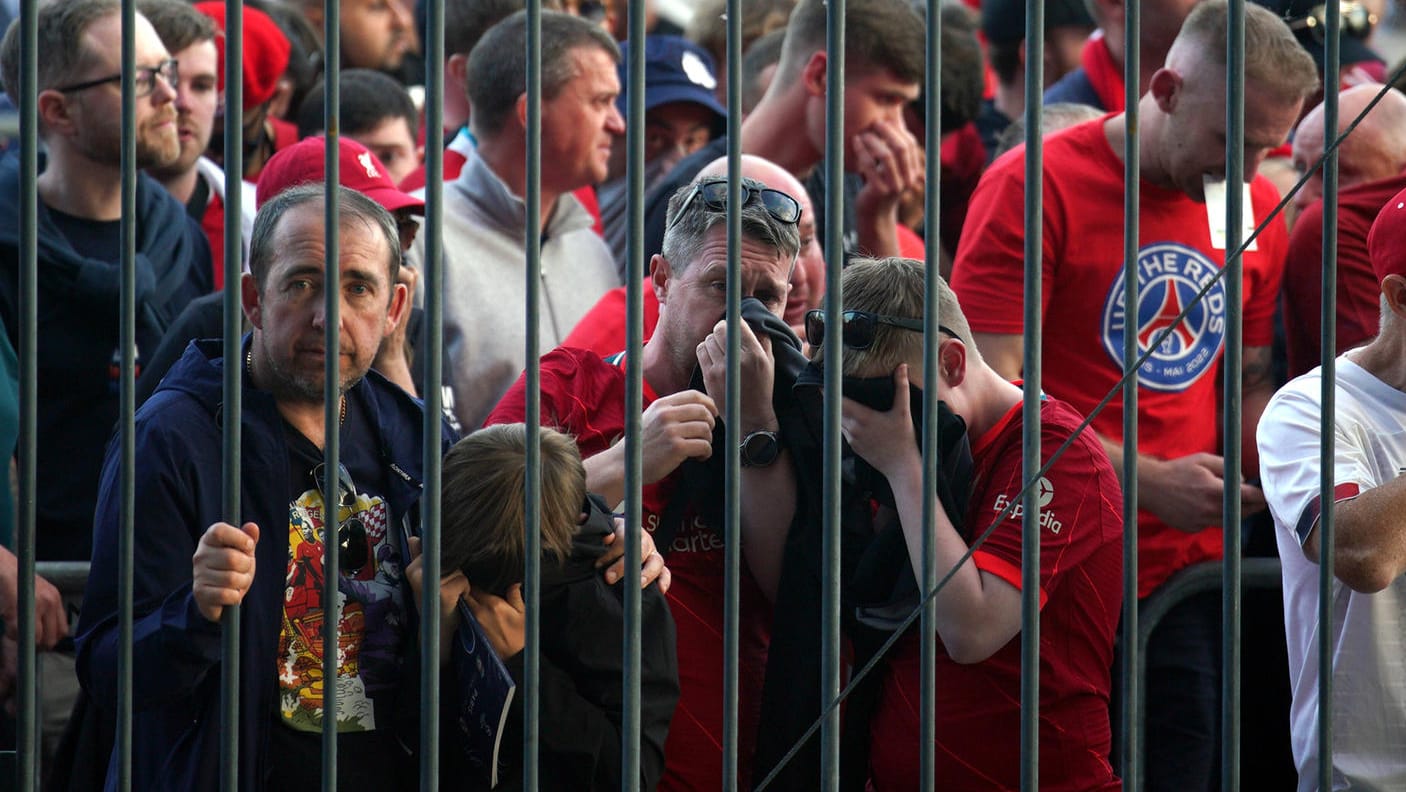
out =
column 1327, row 454
column 1130, row 744
column 127, row 335
column 28, row 352
column 633, row 638
column 1234, row 356
column 331, row 412
column 1030, row 407
column 834, row 368
column 533, row 549
column 932, row 320
column 732, row 431
column 233, row 374
column 431, row 392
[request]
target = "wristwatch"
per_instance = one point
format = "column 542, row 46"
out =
column 760, row 448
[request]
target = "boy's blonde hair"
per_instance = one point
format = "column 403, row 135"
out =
column 483, row 503
column 895, row 287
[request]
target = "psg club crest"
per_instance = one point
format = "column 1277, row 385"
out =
column 1169, row 278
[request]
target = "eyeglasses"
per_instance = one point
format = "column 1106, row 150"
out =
column 1356, row 20
column 859, row 327
column 714, row 194
column 353, row 550
column 145, row 80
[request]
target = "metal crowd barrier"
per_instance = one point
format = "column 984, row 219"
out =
column 1138, row 623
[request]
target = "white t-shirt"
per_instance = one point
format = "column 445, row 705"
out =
column 1369, row 630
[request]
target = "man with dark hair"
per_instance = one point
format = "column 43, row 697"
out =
column 377, row 112
column 80, row 204
column 375, row 34
column 193, row 178
column 583, row 395
column 1067, row 26
column 1181, row 475
column 681, row 114
column 484, row 214
column 884, row 57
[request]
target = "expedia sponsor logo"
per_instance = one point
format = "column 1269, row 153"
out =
column 1048, row 520
column 1169, row 277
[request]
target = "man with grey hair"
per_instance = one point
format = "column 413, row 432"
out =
column 191, row 564
column 485, row 217
column 684, row 367
column 1181, row 473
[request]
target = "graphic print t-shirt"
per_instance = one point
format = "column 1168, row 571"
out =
column 372, row 621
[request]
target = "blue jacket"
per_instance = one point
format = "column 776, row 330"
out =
column 176, row 652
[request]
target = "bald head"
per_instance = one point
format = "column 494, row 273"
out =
column 1375, row 150
column 808, row 276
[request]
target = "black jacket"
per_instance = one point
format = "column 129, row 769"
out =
column 78, row 341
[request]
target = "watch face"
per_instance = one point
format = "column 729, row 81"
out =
column 760, row 448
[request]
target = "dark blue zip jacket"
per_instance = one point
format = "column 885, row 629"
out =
column 176, row 652
column 78, row 339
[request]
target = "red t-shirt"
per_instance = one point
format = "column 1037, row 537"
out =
column 602, row 329
column 1081, row 594
column 1358, row 308
column 584, row 396
column 1083, row 305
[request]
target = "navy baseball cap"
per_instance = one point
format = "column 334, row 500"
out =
column 675, row 70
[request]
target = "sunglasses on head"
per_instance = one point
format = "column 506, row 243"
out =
column 352, row 549
column 1356, row 21
column 859, row 327
column 713, row 193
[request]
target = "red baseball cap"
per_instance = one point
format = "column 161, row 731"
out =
column 265, row 51
column 1386, row 242
column 304, row 163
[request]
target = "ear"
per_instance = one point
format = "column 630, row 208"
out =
column 813, row 74
column 952, row 362
column 249, row 297
column 659, row 275
column 1166, row 88
column 1394, row 289
column 54, row 112
column 400, row 304
column 1020, row 54
column 456, row 68
column 520, row 110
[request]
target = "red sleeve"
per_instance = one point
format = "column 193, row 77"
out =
column 989, row 270
column 602, row 329
column 1262, row 283
column 1076, row 507
column 1303, row 290
column 558, row 372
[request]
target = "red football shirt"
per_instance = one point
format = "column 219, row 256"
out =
column 1358, row 308
column 602, row 329
column 1083, row 311
column 1081, row 595
column 584, row 396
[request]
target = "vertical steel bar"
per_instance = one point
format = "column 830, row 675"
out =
column 1030, row 410
column 433, row 396
column 834, row 368
column 233, row 374
column 1327, row 453
column 927, row 701
column 732, row 545
column 332, row 401
column 1132, row 191
column 1234, row 354
column 633, row 639
column 533, row 238
column 127, row 395
column 27, row 349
